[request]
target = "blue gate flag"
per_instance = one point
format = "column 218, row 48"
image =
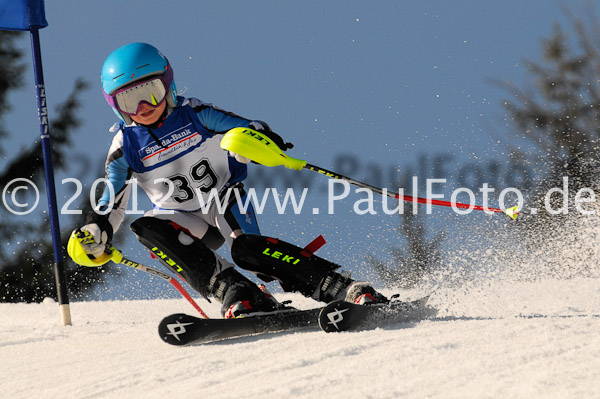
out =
column 22, row 14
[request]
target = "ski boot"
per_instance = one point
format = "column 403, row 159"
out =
column 336, row 286
column 240, row 297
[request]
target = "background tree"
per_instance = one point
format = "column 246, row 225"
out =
column 420, row 255
column 26, row 253
column 555, row 120
column 557, row 116
column 560, row 115
column 412, row 263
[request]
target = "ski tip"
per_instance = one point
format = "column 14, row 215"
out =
column 176, row 329
column 335, row 316
column 513, row 212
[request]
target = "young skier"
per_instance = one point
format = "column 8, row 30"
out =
column 170, row 145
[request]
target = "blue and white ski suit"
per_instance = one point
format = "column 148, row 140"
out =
column 176, row 163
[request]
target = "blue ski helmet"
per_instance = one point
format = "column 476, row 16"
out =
column 133, row 62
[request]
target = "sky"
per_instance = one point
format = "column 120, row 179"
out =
column 372, row 88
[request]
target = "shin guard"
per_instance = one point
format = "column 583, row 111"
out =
column 295, row 268
column 178, row 250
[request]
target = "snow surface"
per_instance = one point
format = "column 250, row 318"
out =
column 498, row 339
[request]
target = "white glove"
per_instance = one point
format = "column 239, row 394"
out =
column 240, row 158
column 96, row 244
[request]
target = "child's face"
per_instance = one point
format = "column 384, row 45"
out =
column 148, row 114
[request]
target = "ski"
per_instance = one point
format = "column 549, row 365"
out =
column 344, row 316
column 183, row 329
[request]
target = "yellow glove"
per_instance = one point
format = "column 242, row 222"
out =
column 85, row 251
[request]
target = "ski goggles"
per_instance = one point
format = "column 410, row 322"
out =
column 151, row 91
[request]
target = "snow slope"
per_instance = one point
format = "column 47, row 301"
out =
column 500, row 339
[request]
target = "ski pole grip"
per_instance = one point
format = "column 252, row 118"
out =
column 258, row 147
column 116, row 255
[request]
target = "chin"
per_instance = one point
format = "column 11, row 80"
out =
column 145, row 121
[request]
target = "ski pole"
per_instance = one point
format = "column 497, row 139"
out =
column 512, row 212
column 259, row 148
column 117, row 257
